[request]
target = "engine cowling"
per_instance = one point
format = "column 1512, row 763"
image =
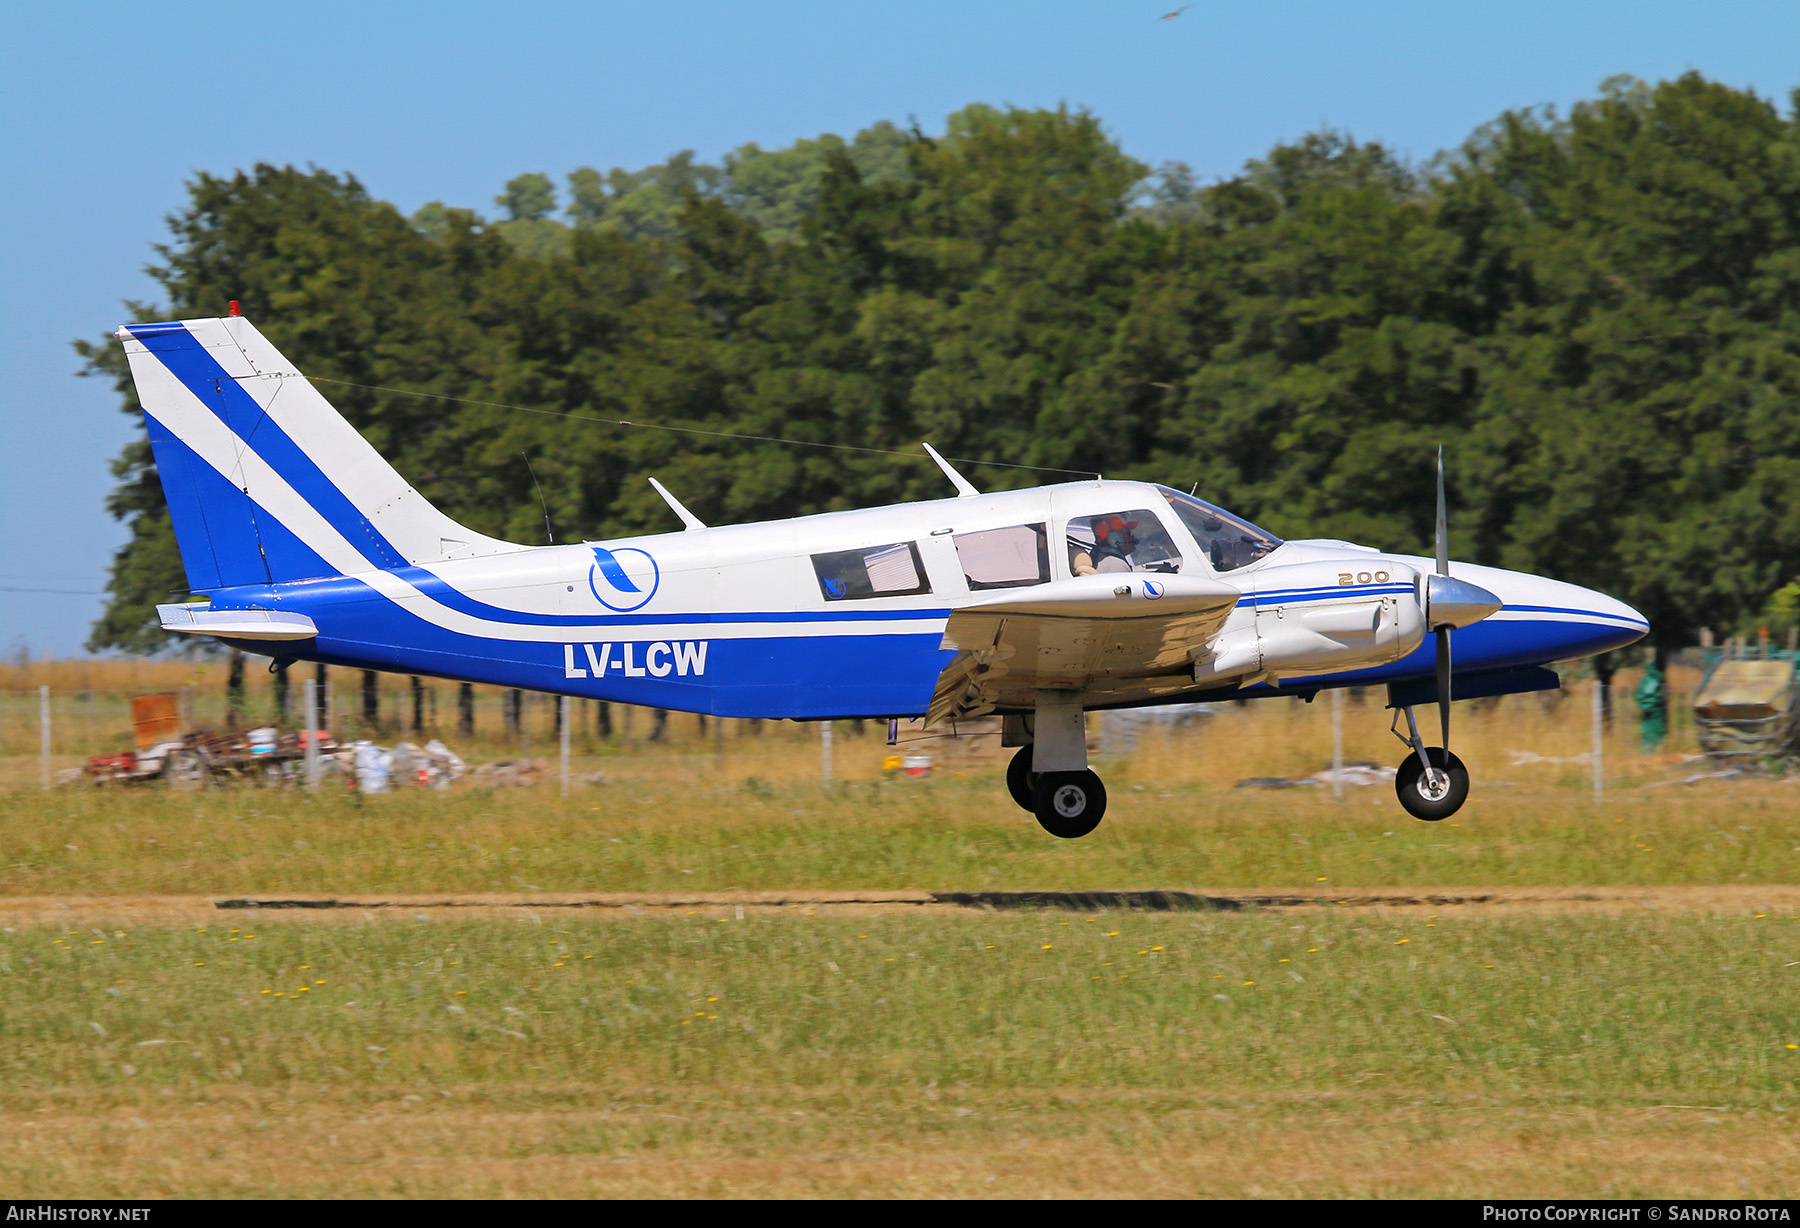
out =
column 1324, row 617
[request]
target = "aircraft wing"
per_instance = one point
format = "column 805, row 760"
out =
column 1121, row 636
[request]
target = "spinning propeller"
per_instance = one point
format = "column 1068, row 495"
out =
column 1449, row 604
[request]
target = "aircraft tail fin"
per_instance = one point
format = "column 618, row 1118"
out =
column 265, row 480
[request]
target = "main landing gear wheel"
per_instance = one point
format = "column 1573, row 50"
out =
column 1435, row 795
column 1021, row 781
column 1069, row 804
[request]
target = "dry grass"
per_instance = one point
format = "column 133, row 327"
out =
column 699, row 1141
column 1412, row 1054
column 1629, row 1050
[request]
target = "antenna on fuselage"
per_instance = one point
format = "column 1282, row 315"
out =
column 687, row 518
column 549, row 536
column 963, row 489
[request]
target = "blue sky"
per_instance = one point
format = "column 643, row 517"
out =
column 107, row 109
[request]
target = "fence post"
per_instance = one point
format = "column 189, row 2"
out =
column 44, row 730
column 1599, row 739
column 1337, row 744
column 309, row 698
column 562, row 719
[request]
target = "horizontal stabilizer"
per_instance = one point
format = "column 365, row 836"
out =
column 201, row 619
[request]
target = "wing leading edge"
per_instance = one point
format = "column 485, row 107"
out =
column 1123, row 634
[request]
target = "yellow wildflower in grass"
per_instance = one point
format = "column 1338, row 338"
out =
column 1403, row 940
column 1048, row 946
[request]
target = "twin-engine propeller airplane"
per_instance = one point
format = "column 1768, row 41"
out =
column 1039, row 605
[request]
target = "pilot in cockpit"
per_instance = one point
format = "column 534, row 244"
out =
column 1111, row 550
column 1120, row 541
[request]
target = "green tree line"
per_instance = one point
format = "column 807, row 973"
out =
column 1598, row 315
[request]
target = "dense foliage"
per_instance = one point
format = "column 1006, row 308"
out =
column 1597, row 314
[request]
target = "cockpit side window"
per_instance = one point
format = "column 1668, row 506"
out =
column 873, row 571
column 1132, row 540
column 1014, row 557
column 1229, row 542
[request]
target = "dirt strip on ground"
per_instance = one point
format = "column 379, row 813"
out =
column 278, row 907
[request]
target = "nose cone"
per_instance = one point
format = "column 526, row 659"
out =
column 1450, row 602
column 1542, row 621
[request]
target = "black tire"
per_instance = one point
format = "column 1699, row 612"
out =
column 1021, row 781
column 1069, row 804
column 1411, row 789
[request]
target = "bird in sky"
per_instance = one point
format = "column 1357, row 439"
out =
column 1171, row 16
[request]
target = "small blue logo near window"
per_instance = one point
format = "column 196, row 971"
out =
column 1152, row 589
column 835, row 589
column 623, row 580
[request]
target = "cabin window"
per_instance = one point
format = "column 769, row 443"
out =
column 1013, row 557
column 1132, row 540
column 873, row 571
column 1228, row 542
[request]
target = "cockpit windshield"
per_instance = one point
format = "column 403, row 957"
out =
column 1228, row 542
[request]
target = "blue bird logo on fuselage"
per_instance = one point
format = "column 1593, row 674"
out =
column 623, row 580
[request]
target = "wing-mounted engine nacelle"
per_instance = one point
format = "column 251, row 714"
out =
column 1320, row 618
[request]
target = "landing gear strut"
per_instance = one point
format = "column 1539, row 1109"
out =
column 1431, row 783
column 1049, row 775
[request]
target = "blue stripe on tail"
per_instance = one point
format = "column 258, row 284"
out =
column 225, row 538
column 190, row 362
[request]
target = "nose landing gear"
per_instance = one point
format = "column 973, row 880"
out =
column 1431, row 783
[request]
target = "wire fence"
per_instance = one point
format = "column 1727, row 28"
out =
column 49, row 731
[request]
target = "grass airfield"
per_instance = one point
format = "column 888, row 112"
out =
column 709, row 976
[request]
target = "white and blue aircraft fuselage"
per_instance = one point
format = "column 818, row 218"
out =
column 1037, row 604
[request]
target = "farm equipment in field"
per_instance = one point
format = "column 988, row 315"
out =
column 194, row 760
column 1748, row 703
